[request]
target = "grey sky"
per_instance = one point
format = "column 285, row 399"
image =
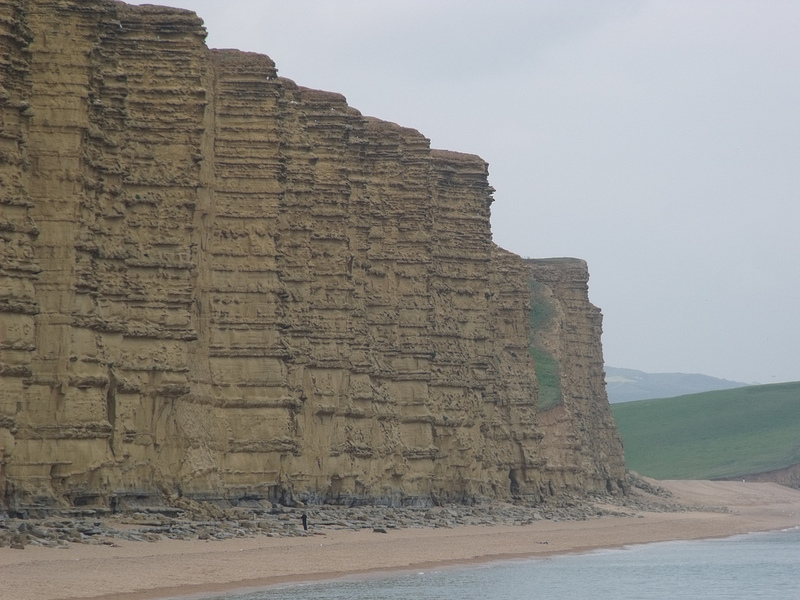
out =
column 658, row 140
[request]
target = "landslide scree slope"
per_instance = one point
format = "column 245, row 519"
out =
column 217, row 284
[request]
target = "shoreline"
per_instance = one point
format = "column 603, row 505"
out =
column 194, row 569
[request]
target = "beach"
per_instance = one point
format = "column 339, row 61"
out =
column 173, row 568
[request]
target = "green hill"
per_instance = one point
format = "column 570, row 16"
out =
column 713, row 435
column 624, row 385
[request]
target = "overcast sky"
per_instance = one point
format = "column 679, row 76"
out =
column 658, row 140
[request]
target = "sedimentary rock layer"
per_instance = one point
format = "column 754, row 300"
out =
column 582, row 448
column 218, row 284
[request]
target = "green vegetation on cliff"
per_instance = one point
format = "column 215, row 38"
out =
column 548, row 370
column 713, row 435
column 547, row 373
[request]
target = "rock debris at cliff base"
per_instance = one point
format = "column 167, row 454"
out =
column 204, row 522
column 201, row 521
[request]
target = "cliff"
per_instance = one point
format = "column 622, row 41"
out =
column 581, row 447
column 217, row 284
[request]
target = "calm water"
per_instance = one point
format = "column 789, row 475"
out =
column 752, row 566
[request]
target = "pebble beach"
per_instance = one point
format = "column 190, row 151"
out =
column 151, row 555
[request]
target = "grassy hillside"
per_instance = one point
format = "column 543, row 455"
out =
column 718, row 434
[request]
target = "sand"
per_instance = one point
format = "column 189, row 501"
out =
column 167, row 569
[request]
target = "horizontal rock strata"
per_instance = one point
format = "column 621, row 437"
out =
column 581, row 447
column 219, row 285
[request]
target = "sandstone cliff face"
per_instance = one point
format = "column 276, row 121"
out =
column 215, row 283
column 581, row 448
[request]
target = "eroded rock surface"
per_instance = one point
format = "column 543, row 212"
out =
column 218, row 285
column 582, row 447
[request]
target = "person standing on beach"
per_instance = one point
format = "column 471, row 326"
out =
column 304, row 518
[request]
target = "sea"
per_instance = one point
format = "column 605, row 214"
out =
column 759, row 565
